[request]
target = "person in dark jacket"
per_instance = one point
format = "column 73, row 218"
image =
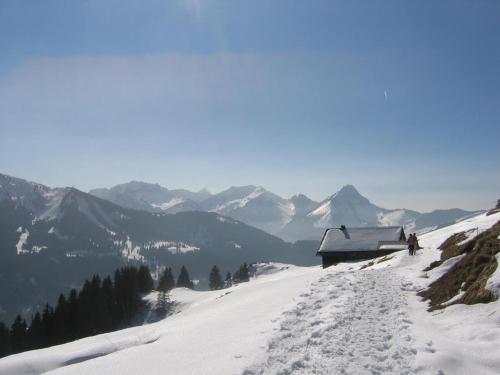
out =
column 416, row 246
column 411, row 244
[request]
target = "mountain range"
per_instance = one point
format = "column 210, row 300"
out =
column 51, row 239
column 293, row 219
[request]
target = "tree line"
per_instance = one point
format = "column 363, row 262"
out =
column 103, row 306
column 100, row 306
column 215, row 279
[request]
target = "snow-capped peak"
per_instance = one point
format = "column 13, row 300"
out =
column 348, row 192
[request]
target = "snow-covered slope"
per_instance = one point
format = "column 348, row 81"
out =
column 215, row 333
column 354, row 318
column 253, row 205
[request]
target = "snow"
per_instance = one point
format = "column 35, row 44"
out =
column 169, row 204
column 238, row 203
column 253, row 206
column 360, row 239
column 217, row 332
column 233, row 244
column 469, row 234
column 37, row 249
column 131, row 252
column 454, row 298
column 324, row 213
column 172, row 246
column 437, row 272
column 393, row 247
column 23, row 238
column 287, row 212
column 493, row 283
column 394, row 218
column 355, row 318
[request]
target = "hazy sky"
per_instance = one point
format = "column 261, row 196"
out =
column 399, row 98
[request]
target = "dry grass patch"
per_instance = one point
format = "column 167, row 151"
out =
column 450, row 248
column 470, row 273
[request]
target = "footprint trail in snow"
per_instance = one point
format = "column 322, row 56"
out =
column 346, row 323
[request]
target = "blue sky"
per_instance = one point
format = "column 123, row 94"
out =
column 399, row 98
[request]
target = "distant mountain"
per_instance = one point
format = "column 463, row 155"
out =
column 293, row 219
column 152, row 197
column 253, row 205
column 250, row 204
column 350, row 208
column 302, row 205
column 441, row 218
column 52, row 239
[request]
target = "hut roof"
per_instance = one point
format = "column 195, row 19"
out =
column 362, row 239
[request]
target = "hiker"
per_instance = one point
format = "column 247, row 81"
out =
column 411, row 244
column 416, row 245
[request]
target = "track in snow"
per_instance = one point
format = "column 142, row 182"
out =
column 347, row 323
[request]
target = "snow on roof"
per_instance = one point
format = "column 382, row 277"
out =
column 361, row 239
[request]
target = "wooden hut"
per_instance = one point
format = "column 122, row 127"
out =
column 341, row 244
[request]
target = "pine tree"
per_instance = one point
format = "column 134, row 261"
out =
column 215, row 280
column 18, row 336
column 84, row 312
column 109, row 320
column 48, row 325
column 166, row 282
column 183, row 281
column 60, row 319
column 244, row 275
column 163, row 304
column 144, row 280
column 4, row 340
column 72, row 317
column 35, row 332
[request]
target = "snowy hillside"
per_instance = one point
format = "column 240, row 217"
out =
column 354, row 318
